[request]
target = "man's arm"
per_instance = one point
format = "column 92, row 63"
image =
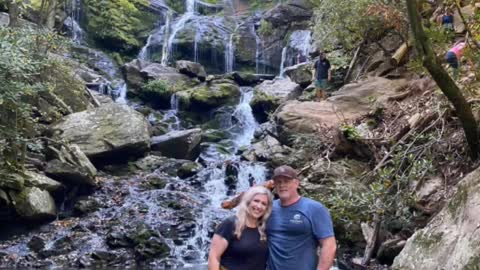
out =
column 327, row 253
column 329, row 74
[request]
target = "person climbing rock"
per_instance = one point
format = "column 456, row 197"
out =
column 322, row 75
column 446, row 20
column 454, row 56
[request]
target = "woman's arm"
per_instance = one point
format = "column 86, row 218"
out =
column 218, row 246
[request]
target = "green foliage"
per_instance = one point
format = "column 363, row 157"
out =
column 346, row 25
column 118, row 24
column 350, row 132
column 266, row 28
column 178, row 6
column 23, row 61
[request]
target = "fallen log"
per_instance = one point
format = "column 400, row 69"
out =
column 399, row 54
column 230, row 204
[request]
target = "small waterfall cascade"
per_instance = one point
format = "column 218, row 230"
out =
column 229, row 54
column 241, row 135
column 170, row 116
column 282, row 63
column 259, row 61
column 143, row 54
column 300, row 40
column 74, row 21
column 177, row 26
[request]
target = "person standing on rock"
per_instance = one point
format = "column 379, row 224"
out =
column 297, row 227
column 454, row 55
column 321, row 76
column 240, row 241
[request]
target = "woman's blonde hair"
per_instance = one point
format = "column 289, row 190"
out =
column 243, row 212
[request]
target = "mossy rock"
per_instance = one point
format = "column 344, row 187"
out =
column 216, row 95
column 213, row 135
column 157, row 93
column 263, row 104
column 189, row 169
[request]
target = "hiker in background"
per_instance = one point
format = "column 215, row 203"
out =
column 322, row 74
column 454, row 55
column 446, row 20
column 240, row 241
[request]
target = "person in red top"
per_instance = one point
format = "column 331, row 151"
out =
column 454, row 55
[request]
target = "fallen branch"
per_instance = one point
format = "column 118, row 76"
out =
column 352, row 63
column 399, row 54
column 94, row 100
column 372, row 240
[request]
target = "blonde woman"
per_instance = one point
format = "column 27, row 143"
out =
column 240, row 241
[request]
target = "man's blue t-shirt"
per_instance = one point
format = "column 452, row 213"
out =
column 293, row 233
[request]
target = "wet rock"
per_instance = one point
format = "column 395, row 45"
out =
column 36, row 244
column 210, row 96
column 154, row 71
column 103, row 255
column 300, row 74
column 34, row 204
column 268, row 149
column 106, row 133
column 178, row 144
column 149, row 244
column 451, row 238
column 191, row 69
column 156, row 182
column 86, row 205
column 60, row 246
column 133, row 75
column 231, row 176
column 118, row 238
column 270, row 94
column 249, row 79
column 213, row 135
column 71, row 166
column 189, row 169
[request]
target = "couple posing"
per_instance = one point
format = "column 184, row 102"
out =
column 276, row 235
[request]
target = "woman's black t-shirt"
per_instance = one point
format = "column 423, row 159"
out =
column 248, row 252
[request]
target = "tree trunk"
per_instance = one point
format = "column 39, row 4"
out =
column 443, row 80
column 48, row 13
column 13, row 12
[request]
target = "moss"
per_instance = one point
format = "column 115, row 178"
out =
column 266, row 28
column 263, row 104
column 157, row 93
column 473, row 263
column 428, row 241
column 458, row 201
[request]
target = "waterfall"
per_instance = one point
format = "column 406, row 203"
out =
column 282, row 63
column 258, row 52
column 229, row 55
column 300, row 40
column 179, row 24
column 122, row 94
column 143, row 55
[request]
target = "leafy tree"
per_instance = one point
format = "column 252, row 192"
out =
column 443, row 80
column 23, row 62
column 348, row 25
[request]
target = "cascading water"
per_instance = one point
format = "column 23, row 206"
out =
column 259, row 61
column 282, row 63
column 229, row 55
column 301, row 41
column 170, row 116
column 179, row 24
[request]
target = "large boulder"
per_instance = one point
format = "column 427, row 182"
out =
column 133, row 75
column 112, row 131
column 34, row 204
column 209, row 96
column 11, row 181
column 178, row 144
column 450, row 240
column 270, row 94
column 249, row 79
column 300, row 74
column 41, row 181
column 351, row 102
column 191, row 69
column 71, row 166
column 268, row 149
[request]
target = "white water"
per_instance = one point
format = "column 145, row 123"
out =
column 301, row 41
column 143, row 54
column 229, row 55
column 282, row 63
column 258, row 52
column 171, row 115
column 179, row 24
column 122, row 94
column 75, row 16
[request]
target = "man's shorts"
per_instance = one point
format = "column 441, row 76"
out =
column 322, row 84
column 452, row 59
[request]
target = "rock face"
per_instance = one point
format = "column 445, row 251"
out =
column 71, row 166
column 270, row 94
column 178, row 144
column 34, row 204
column 191, row 69
column 300, row 74
column 268, row 149
column 111, row 131
column 351, row 101
column 450, row 240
